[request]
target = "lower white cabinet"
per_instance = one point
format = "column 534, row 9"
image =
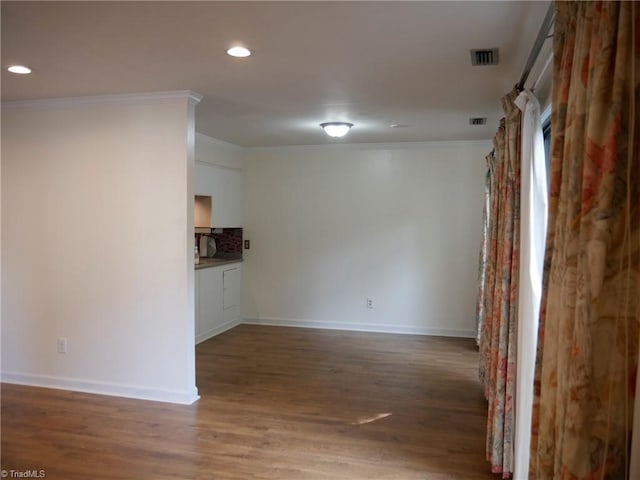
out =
column 230, row 288
column 217, row 300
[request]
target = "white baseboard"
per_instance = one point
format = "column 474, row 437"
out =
column 362, row 327
column 102, row 388
column 218, row 330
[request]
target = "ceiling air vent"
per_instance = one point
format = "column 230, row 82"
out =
column 478, row 121
column 484, row 57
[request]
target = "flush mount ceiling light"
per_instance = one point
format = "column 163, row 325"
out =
column 239, row 52
column 20, row 69
column 336, row 129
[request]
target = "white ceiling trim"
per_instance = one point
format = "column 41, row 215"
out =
column 375, row 146
column 131, row 98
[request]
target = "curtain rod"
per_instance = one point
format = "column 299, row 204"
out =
column 537, row 46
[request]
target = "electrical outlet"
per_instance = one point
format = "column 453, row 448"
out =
column 370, row 303
column 62, row 345
column 247, row 244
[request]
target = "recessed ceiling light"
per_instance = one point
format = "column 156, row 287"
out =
column 239, row 52
column 21, row 69
column 336, row 129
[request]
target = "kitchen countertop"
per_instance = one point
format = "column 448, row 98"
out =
column 215, row 262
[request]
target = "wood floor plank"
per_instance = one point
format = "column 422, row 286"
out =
column 276, row 404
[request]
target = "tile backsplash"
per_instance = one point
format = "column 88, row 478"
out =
column 228, row 241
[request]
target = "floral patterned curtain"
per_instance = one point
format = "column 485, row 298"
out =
column 484, row 250
column 588, row 337
column 498, row 295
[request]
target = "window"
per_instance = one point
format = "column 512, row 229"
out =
column 546, row 134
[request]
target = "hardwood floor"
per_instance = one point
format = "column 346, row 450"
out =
column 276, row 403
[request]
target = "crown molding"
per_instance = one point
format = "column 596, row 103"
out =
column 376, row 146
column 129, row 98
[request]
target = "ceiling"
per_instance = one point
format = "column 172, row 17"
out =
column 370, row 63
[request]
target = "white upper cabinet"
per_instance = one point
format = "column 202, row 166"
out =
column 224, row 186
column 218, row 174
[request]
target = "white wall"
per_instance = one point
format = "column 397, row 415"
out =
column 332, row 226
column 97, row 245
